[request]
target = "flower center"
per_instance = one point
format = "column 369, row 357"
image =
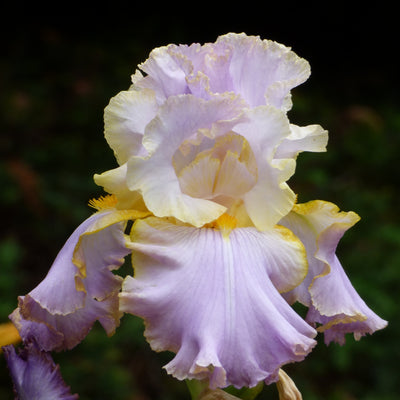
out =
column 221, row 169
column 225, row 223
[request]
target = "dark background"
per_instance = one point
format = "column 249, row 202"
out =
column 58, row 72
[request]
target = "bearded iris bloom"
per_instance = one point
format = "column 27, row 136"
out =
column 219, row 246
column 35, row 375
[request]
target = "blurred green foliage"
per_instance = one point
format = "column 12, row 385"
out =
column 54, row 87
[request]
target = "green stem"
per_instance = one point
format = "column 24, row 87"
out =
column 196, row 387
column 246, row 393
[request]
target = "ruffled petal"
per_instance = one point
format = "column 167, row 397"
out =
column 326, row 290
column 35, row 375
column 181, row 118
column 198, row 178
column 125, row 120
column 356, row 318
column 265, row 129
column 164, row 74
column 209, row 298
column 80, row 287
column 311, row 138
column 234, row 177
column 206, row 91
column 263, row 71
column 114, row 182
column 62, row 332
column 260, row 71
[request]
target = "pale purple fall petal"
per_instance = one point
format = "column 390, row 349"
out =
column 357, row 318
column 80, row 287
column 35, row 376
column 212, row 299
column 60, row 332
column 327, row 291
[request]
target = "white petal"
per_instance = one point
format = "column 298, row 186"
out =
column 179, row 119
column 234, row 178
column 308, row 138
column 114, row 182
column 270, row 198
column 198, row 178
column 263, row 71
column 125, row 119
column 165, row 75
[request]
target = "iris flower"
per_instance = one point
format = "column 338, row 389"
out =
column 220, row 248
column 35, row 375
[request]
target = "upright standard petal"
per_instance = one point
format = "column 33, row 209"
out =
column 327, row 291
column 125, row 120
column 209, row 297
column 80, row 287
column 260, row 71
column 180, row 119
column 35, row 375
column 270, row 198
column 263, row 71
column 165, row 74
column 311, row 138
column 114, row 182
